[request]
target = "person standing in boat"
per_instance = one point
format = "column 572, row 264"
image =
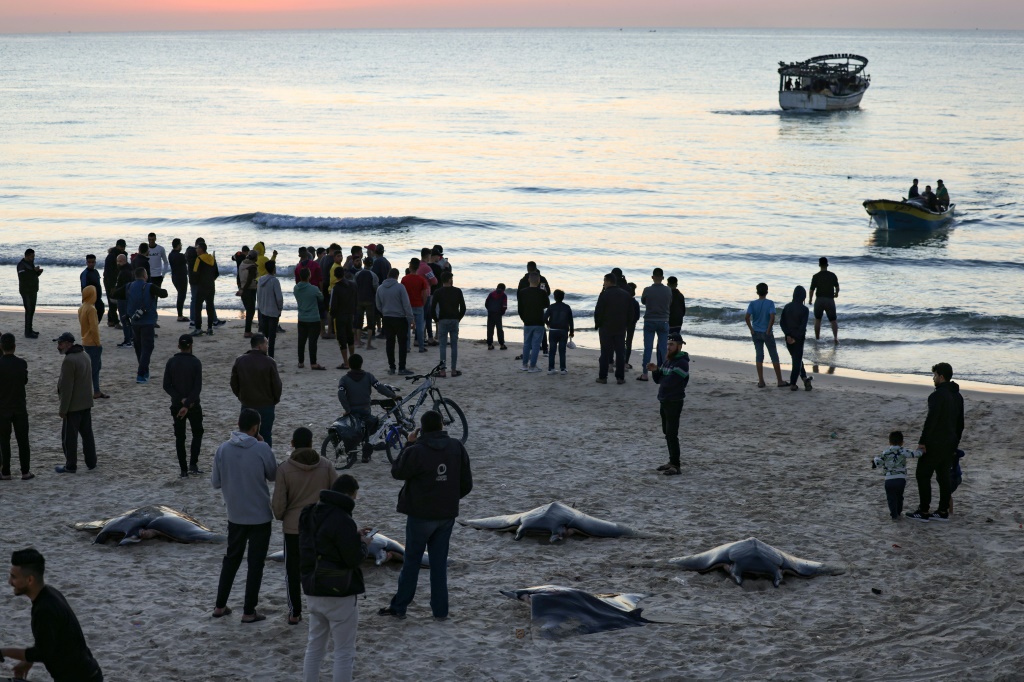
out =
column 930, row 198
column 942, row 196
column 913, row 193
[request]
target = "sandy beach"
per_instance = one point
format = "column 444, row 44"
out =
column 791, row 468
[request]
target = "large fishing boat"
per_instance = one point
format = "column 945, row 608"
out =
column 830, row 82
column 909, row 214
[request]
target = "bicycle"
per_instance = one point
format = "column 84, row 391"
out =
column 397, row 421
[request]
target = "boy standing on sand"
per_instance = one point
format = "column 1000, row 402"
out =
column 894, row 463
column 760, row 319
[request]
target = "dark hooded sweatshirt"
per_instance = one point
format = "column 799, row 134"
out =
column 436, row 473
column 329, row 544
column 793, row 321
column 355, row 390
column 944, row 425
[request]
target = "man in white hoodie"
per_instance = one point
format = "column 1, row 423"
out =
column 269, row 303
column 241, row 469
column 158, row 263
column 393, row 303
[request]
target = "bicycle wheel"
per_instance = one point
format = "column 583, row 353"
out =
column 329, row 451
column 454, row 419
column 394, row 440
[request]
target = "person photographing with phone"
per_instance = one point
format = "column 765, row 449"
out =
column 437, row 475
column 183, row 381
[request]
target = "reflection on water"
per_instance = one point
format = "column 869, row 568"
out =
column 905, row 239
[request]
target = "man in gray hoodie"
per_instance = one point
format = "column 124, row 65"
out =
column 269, row 303
column 241, row 469
column 393, row 303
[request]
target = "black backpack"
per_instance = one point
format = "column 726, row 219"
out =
column 320, row 575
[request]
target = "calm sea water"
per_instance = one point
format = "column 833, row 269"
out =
column 582, row 150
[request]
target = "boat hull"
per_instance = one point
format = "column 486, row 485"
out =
column 815, row 101
column 900, row 215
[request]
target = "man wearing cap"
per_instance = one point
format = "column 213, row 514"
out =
column 110, row 270
column 183, row 381
column 75, row 390
column 28, row 287
column 826, row 284
column 671, row 377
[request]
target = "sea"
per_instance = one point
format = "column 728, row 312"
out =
column 582, row 150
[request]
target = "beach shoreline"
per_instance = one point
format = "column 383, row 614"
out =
column 791, row 468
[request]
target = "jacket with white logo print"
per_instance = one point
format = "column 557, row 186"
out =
column 436, row 473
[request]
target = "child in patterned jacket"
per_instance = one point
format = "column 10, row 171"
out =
column 894, row 463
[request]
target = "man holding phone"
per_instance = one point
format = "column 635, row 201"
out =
column 436, row 472
column 183, row 381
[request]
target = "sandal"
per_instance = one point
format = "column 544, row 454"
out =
column 226, row 611
column 294, row 620
column 781, row 385
column 761, row 384
column 317, row 367
column 342, row 366
column 642, row 377
column 255, row 617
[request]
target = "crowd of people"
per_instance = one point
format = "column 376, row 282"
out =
column 354, row 300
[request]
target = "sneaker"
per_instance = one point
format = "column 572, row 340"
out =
column 940, row 516
column 31, row 335
column 503, row 347
column 672, row 471
column 141, row 380
column 183, row 474
column 388, row 611
column 552, row 372
column 490, row 347
column 209, row 332
column 665, row 467
column 602, row 380
column 126, row 344
column 423, row 350
column 198, row 332
column 620, row 381
column 564, row 371
column 28, row 477
column 919, row 515
column 406, row 372
column 391, row 370
column 195, row 471
column 61, row 469
column 807, row 384
column 220, row 323
column 534, row 369
column 524, row 368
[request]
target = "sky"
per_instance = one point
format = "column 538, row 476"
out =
column 46, row 16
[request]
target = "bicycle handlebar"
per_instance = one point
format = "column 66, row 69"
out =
column 416, row 377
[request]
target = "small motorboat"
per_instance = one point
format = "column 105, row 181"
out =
column 907, row 214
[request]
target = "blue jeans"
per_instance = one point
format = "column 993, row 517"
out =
column 417, row 315
column 557, row 338
column 431, row 535
column 449, row 330
column 266, row 422
column 650, row 329
column 532, row 336
column 762, row 339
column 95, row 354
column 143, row 341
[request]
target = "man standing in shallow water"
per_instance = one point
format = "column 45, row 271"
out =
column 826, row 285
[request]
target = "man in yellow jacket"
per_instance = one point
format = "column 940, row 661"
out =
column 89, row 321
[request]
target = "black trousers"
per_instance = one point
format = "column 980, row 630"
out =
column 112, row 318
column 194, row 417
column 308, row 331
column 796, row 354
column 937, row 462
column 249, row 301
column 494, row 323
column 180, row 283
column 74, row 423
column 671, row 410
column 257, row 537
column 29, row 300
column 270, row 331
column 396, row 329
column 894, row 488
column 612, row 343
column 19, row 422
column 205, row 297
column 292, row 577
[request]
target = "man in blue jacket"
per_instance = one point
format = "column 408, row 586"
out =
column 140, row 297
column 436, row 472
column 672, row 378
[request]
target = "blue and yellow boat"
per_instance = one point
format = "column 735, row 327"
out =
column 908, row 214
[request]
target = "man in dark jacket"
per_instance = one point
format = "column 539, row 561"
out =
column 793, row 323
column 448, row 307
column 256, row 383
column 125, row 276
column 533, row 301
column 205, row 288
column 558, row 318
column 612, row 315
column 343, row 314
column 28, row 287
column 13, row 409
column 140, row 298
column 939, row 440
column 436, row 472
column 110, row 280
column 183, row 381
column 671, row 378
column 91, row 277
column 677, row 312
column 496, row 304
column 330, row 551
column 355, row 390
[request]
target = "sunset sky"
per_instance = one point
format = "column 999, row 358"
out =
column 132, row 15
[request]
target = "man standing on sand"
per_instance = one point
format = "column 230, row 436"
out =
column 270, row 303
column 75, row 390
column 826, row 284
column 257, row 385
column 13, row 409
column 183, row 381
column 141, row 297
column 59, row 643
column 760, row 319
column 418, row 289
column 125, row 276
column 678, row 310
column 532, row 302
column 159, row 266
column 366, row 292
column 110, row 269
column 448, row 307
column 612, row 314
column 672, row 377
column 28, row 287
column 343, row 314
column 206, row 274
column 436, row 472
column 657, row 300
column 392, row 300
column 940, row 437
column 91, row 277
column 241, row 469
